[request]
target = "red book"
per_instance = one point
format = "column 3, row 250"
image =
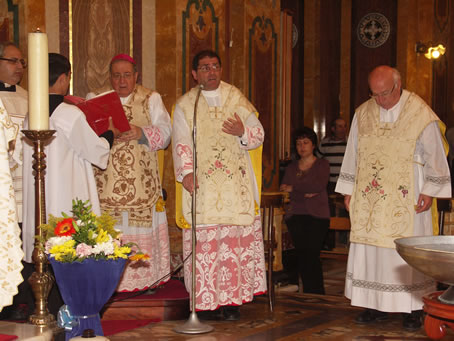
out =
column 98, row 109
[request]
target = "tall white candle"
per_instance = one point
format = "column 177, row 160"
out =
column 38, row 81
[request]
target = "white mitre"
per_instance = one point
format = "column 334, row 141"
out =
column 11, row 252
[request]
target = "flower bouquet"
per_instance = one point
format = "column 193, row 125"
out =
column 88, row 260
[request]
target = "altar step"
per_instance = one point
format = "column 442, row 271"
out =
column 169, row 302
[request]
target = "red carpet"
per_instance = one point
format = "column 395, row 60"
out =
column 172, row 290
column 167, row 302
column 5, row 337
column 111, row 327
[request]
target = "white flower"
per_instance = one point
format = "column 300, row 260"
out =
column 107, row 248
column 53, row 241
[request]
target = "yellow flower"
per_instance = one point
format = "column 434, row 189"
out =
column 120, row 252
column 65, row 249
column 139, row 256
column 102, row 237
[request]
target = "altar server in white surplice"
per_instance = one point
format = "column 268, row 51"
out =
column 394, row 165
column 71, row 152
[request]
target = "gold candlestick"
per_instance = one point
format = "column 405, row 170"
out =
column 41, row 280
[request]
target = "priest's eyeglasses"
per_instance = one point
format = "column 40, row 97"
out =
column 384, row 93
column 208, row 68
column 15, row 61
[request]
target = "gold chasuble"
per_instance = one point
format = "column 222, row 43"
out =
column 226, row 189
column 383, row 203
column 131, row 181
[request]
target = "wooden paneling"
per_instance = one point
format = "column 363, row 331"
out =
column 441, row 71
column 330, row 12
column 263, row 92
column 364, row 58
column 296, row 8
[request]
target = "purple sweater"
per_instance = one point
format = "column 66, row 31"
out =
column 314, row 181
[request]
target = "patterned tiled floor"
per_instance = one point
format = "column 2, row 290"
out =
column 296, row 317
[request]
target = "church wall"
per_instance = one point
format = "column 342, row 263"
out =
column 90, row 33
column 160, row 45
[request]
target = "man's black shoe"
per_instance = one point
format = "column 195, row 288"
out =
column 371, row 315
column 413, row 321
column 211, row 315
column 231, row 313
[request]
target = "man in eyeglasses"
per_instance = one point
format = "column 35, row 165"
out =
column 394, row 165
column 130, row 188
column 15, row 100
column 229, row 251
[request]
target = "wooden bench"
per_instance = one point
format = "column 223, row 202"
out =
column 337, row 224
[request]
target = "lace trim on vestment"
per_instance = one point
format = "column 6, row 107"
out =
column 359, row 283
column 347, row 177
column 442, row 180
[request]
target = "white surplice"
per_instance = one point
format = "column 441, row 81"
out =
column 16, row 105
column 378, row 278
column 10, row 244
column 71, row 153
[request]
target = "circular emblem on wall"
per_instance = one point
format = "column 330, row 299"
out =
column 373, row 30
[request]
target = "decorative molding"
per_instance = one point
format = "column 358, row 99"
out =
column 199, row 21
column 441, row 11
column 15, row 10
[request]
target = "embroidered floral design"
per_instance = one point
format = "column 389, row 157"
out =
column 374, row 187
column 242, row 171
column 404, row 190
column 219, row 165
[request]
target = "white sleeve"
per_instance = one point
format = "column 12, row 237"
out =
column 182, row 145
column 346, row 181
column 159, row 132
column 254, row 133
column 435, row 179
column 81, row 137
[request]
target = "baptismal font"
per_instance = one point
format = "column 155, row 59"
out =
column 434, row 257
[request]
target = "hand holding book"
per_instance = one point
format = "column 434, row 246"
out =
column 98, row 109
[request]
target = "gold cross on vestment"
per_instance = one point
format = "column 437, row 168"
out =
column 216, row 112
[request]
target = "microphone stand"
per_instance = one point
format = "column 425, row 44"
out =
column 193, row 324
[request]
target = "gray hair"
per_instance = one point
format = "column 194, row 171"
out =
column 396, row 75
column 4, row 45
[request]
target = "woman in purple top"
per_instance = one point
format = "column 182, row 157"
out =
column 307, row 216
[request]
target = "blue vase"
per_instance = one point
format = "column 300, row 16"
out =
column 85, row 287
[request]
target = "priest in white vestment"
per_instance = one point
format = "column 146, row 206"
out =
column 15, row 101
column 230, row 257
column 394, row 165
column 130, row 188
column 71, row 152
